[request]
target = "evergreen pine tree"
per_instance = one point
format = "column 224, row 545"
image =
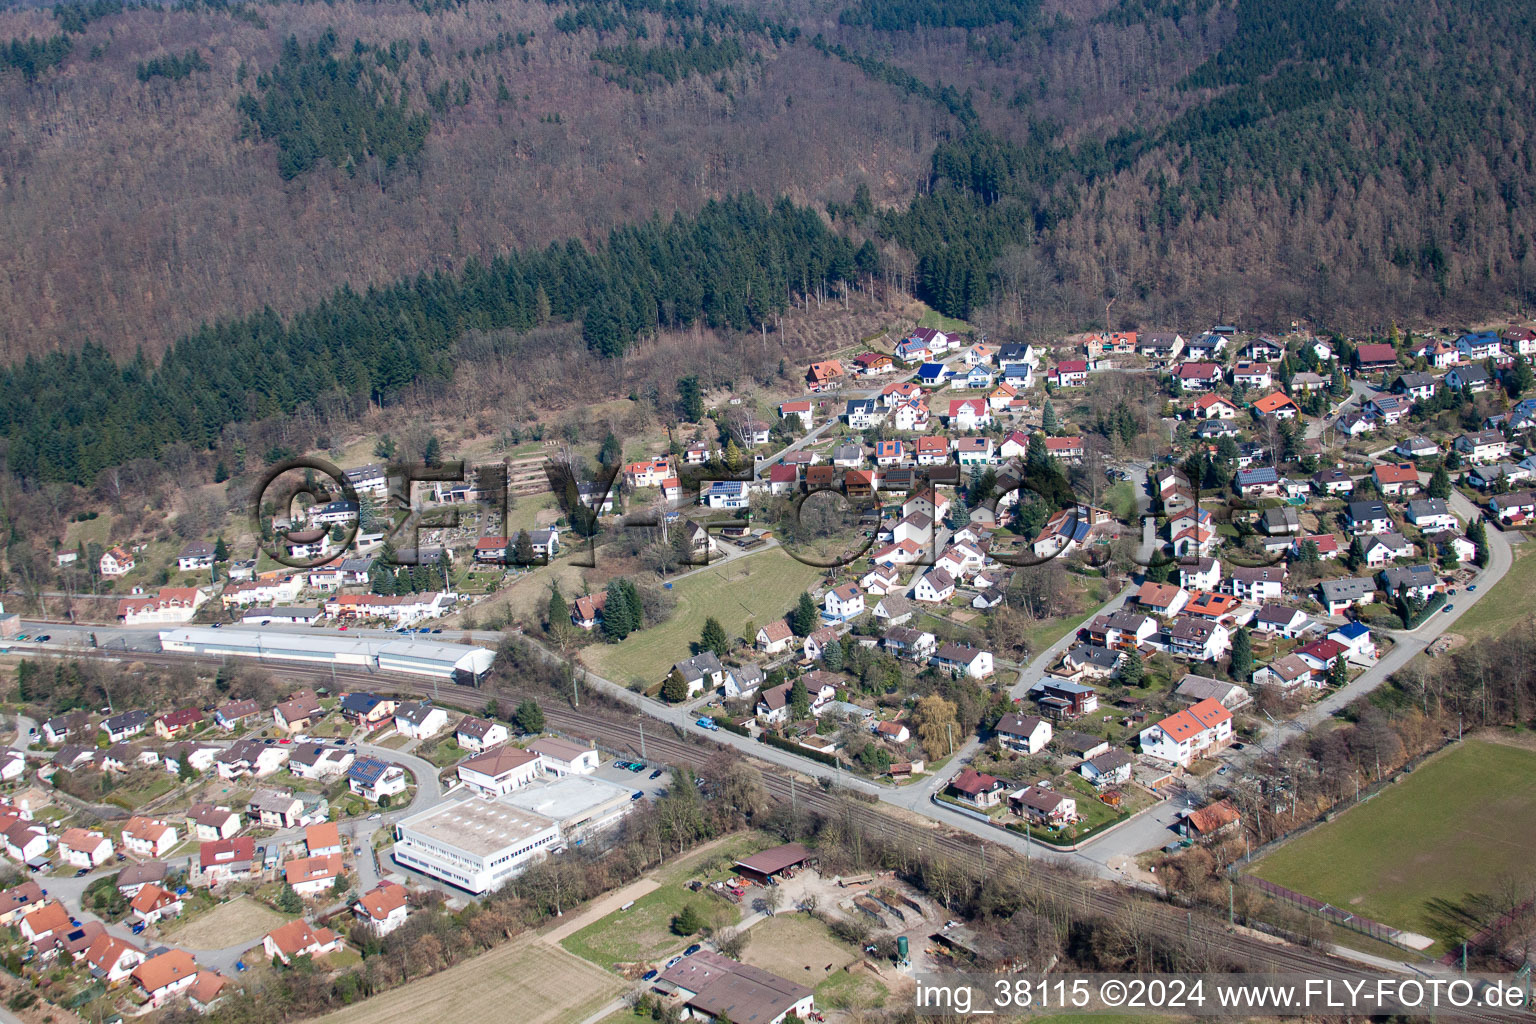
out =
column 558, row 611
column 529, row 717
column 522, row 550
column 1242, row 655
column 1048, row 421
column 713, row 638
column 805, row 616
column 799, row 700
column 1133, row 672
column 1439, row 484
column 832, row 656
column 220, row 550
column 618, row 619
column 675, row 689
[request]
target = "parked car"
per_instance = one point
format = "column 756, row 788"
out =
column 648, row 975
column 658, row 773
column 1471, row 587
column 708, row 723
column 82, row 872
column 692, row 949
column 44, row 638
column 1448, row 609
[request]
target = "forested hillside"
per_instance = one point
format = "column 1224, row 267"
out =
column 215, row 172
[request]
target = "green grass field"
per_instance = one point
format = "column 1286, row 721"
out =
column 757, row 588
column 948, row 324
column 1506, row 604
column 1421, row 854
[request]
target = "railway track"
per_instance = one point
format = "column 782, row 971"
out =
column 603, row 725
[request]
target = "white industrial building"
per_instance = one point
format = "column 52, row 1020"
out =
column 478, row 843
column 474, row 844
column 459, row 663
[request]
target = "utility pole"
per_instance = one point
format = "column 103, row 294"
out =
column 642, row 742
column 1230, row 923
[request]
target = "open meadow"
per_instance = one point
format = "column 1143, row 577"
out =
column 1424, row 854
column 754, row 589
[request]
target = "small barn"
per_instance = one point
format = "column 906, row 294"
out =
column 766, row 867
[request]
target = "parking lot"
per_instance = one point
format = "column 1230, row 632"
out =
column 641, row 780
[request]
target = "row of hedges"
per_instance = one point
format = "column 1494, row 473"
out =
column 795, row 748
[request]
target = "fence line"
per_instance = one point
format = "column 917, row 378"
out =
column 1328, row 912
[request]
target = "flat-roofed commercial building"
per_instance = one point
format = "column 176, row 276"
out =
column 459, row 663
column 580, row 804
column 474, row 844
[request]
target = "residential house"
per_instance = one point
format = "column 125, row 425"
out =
column 934, row 587
column 273, row 808
column 843, row 603
column 1258, row 482
column 1417, row 581
column 83, row 848
column 1368, row 517
column 149, row 837
column 1375, row 356
column 1400, row 478
column 1431, row 514
column 207, row 822
column 418, row 719
column 977, row 788
column 1483, row 446
column 1201, row 728
column 701, row 672
column 561, row 757
column 1111, row 768
column 915, row 644
column 111, row 959
column 115, row 562
column 1252, row 375
column 1195, row 688
column 298, row 712
column 374, row 780
column 1197, row 376
column 479, row 734
column 1197, row 639
column 1214, row 407
column 1333, row 481
column 1280, row 620
column 1355, row 639
column 1416, row 385
column 231, row 716
column 169, row 726
column 1026, row 734
column 297, row 938
column 1276, row 405
column 1340, row 595
column 743, row 680
column 1069, row 448
column 57, row 730
column 1043, row 806
column 963, row 660
column 587, row 610
column 1416, row 448
column 774, row 637
column 121, row 727
column 1161, row 598
column 154, row 903
column 1474, row 378
column 1200, row 574
column 165, row 976
column 383, row 908
column 224, row 860
column 311, row 876
column 318, row 760
column 498, row 771
column 1257, row 583
column 1061, row 699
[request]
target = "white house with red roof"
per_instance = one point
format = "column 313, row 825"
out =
column 1214, row 407
column 171, row 604
column 1197, row 376
column 969, row 413
column 801, row 410
column 843, row 603
column 1201, row 728
column 1070, row 448
column 1070, row 373
column 648, row 473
